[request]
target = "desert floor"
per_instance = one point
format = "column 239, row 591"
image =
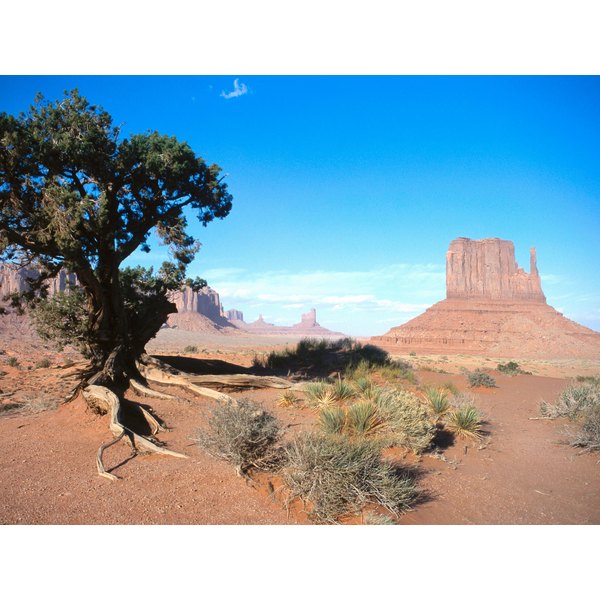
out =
column 523, row 472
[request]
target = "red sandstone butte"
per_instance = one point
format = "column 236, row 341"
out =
column 492, row 308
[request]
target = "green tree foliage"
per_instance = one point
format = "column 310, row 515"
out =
column 74, row 195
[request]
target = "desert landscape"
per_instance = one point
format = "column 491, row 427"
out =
column 518, row 468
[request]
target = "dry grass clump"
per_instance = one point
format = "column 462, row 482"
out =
column 373, row 518
column 31, row 403
column 242, row 433
column 581, row 404
column 587, row 436
column 405, row 421
column 572, row 401
column 287, row 399
column 337, row 475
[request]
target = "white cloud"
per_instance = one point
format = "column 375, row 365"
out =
column 394, row 292
column 239, row 89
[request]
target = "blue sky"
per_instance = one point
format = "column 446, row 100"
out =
column 348, row 190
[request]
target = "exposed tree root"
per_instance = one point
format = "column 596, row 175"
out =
column 159, row 372
column 104, row 398
column 241, row 380
column 144, row 390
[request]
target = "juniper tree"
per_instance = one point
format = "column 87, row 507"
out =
column 74, row 195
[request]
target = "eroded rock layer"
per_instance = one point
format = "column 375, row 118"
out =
column 493, row 308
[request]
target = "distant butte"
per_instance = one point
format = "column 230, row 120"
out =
column 308, row 326
column 492, row 308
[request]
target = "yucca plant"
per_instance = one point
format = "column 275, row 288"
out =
column 363, row 383
column 437, row 399
column 332, row 420
column 288, row 398
column 363, row 418
column 319, row 394
column 465, row 421
column 342, row 390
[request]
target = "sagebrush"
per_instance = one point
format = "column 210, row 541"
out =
column 336, row 476
column 242, row 433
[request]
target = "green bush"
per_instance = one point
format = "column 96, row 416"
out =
column 511, row 368
column 12, row 361
column 191, row 349
column 337, row 476
column 479, row 378
column 314, row 354
column 242, row 433
column 44, row 363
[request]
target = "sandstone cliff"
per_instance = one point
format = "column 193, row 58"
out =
column 13, row 279
column 492, row 308
column 488, row 269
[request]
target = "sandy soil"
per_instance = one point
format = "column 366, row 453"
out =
column 522, row 474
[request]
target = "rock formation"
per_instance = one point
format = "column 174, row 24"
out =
column 197, row 311
column 487, row 269
column 190, row 305
column 14, row 279
column 308, row 327
column 492, row 308
column 234, row 315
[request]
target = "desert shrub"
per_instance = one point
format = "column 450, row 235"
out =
column 572, row 401
column 389, row 370
column 511, row 368
column 479, row 378
column 579, row 403
column 465, row 421
column 373, row 518
column 44, row 363
column 288, row 398
column 593, row 379
column 587, row 435
column 437, row 399
column 363, row 418
column 242, row 433
column 12, row 361
column 332, row 420
column 405, row 422
column 314, row 354
column 3, row 373
column 190, row 349
column 337, row 475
